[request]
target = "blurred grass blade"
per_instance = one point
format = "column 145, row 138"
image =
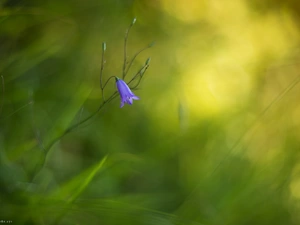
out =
column 88, row 180
column 78, row 184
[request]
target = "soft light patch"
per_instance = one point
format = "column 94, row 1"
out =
column 199, row 97
column 186, row 11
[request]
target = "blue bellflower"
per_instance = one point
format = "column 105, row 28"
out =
column 125, row 93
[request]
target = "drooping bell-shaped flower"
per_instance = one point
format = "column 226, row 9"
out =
column 125, row 93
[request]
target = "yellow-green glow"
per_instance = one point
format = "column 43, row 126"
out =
column 220, row 77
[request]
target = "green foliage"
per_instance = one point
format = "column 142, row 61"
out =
column 214, row 138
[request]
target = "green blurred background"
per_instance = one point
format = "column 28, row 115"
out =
column 214, row 138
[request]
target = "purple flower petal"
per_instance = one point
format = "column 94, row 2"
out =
column 126, row 94
column 135, row 97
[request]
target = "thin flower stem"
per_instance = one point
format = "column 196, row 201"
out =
column 108, row 80
column 74, row 126
column 71, row 128
column 3, row 91
column 140, row 77
column 125, row 50
column 145, row 67
column 102, row 86
column 133, row 58
column 102, row 65
column 137, row 84
column 17, row 110
column 101, row 71
column 102, row 89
